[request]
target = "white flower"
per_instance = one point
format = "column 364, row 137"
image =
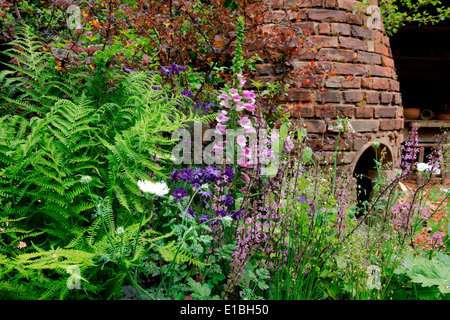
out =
column 157, row 188
column 421, row 166
column 428, row 168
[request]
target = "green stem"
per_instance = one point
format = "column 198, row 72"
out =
column 335, row 163
column 137, row 237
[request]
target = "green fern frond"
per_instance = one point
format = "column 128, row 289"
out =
column 169, row 253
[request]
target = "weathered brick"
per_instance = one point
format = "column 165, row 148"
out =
column 324, row 28
column 386, row 97
column 358, row 143
column 387, row 124
column 354, row 18
column 365, row 125
column 305, row 112
column 380, row 84
column 264, row 68
column 381, row 49
column 337, row 54
column 399, row 124
column 351, row 82
column 385, row 112
column 350, row 69
column 375, row 83
column 325, row 112
column 329, row 3
column 333, row 82
column 364, row 112
column 353, row 96
column 398, row 99
column 388, row 62
column 361, row 32
column 353, row 43
column 327, row 15
column 345, row 111
column 379, row 71
column 367, row 57
column 340, row 29
column 329, row 96
column 348, row 5
column 315, row 126
column 299, row 95
column 326, row 41
column 394, row 85
column 372, row 97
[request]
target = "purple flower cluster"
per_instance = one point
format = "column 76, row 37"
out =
column 203, row 106
column 214, row 198
column 172, row 70
column 410, row 150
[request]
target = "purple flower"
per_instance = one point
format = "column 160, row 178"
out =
column 174, row 176
column 205, row 193
column 191, row 212
column 185, row 174
column 205, row 204
column 221, row 213
column 229, row 173
column 211, row 174
column 187, row 93
column 179, row 194
column 229, row 201
column 237, row 214
column 302, row 199
column 203, row 218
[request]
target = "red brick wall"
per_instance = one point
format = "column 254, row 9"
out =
column 362, row 85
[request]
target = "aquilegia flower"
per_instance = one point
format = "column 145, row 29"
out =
column 179, row 194
column 157, row 188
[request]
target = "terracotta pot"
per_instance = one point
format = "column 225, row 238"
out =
column 443, row 116
column 411, row 113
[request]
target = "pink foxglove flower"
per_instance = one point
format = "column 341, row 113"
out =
column 225, row 103
column 217, row 148
column 236, row 97
column 243, row 162
column 224, row 96
column 241, row 79
column 246, row 152
column 248, row 94
column 241, row 140
column 240, row 106
column 221, row 128
column 222, row 117
column 249, row 107
column 246, row 125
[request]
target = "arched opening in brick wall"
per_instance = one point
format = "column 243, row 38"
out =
column 365, row 172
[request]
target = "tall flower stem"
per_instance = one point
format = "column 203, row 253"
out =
column 335, row 163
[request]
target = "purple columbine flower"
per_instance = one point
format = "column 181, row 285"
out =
column 185, row 174
column 237, row 214
column 228, row 172
column 187, row 93
column 179, row 194
column 212, row 174
column 229, row 201
column 205, row 193
column 221, row 213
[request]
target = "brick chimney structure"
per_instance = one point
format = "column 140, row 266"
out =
column 362, row 85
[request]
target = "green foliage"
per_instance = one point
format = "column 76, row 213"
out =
column 434, row 273
column 66, row 150
column 397, row 13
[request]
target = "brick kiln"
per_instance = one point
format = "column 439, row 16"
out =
column 363, row 85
